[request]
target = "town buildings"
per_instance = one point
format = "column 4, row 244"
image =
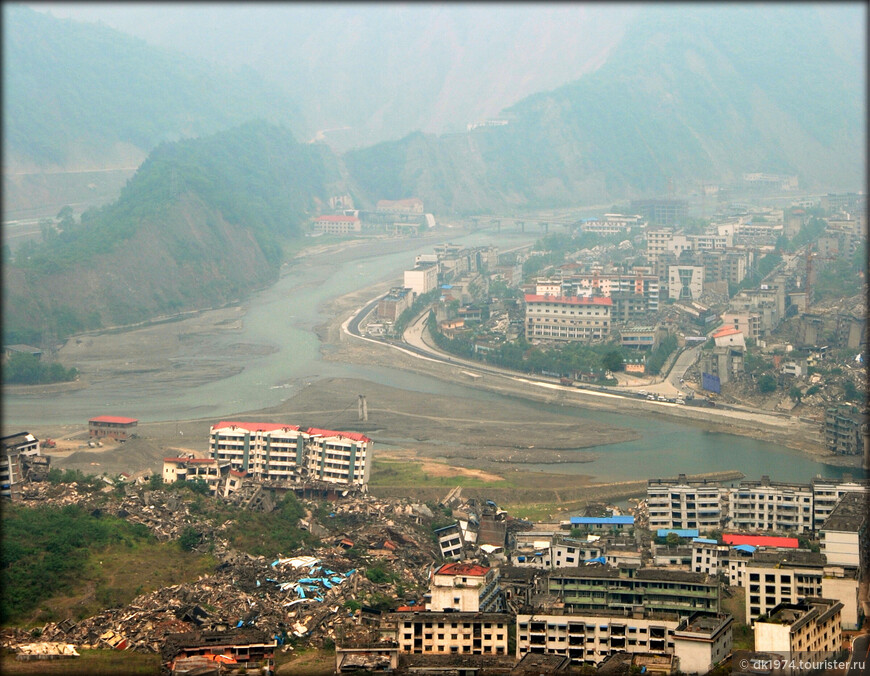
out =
column 777, row 576
column 683, row 503
column 422, row 279
column 286, row 453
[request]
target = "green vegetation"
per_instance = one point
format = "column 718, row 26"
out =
column 201, row 223
column 766, row 384
column 28, row 369
column 263, row 534
column 54, row 118
column 660, row 355
column 379, row 575
column 45, row 543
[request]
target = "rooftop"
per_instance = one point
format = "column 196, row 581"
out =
column 602, row 521
column 113, row 419
column 850, row 513
column 468, row 569
column 760, row 540
column 793, row 557
column 254, row 426
column 568, row 300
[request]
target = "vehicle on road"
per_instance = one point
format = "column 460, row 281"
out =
column 651, row 397
column 662, row 397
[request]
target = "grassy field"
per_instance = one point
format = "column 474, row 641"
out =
column 744, row 638
column 91, row 663
column 311, row 662
column 119, row 573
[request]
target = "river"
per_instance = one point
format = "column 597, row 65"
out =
column 284, row 316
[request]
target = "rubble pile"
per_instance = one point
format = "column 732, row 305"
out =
column 45, row 650
column 307, row 597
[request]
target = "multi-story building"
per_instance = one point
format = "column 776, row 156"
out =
column 422, row 279
column 699, row 641
column 112, row 427
column 465, row 587
column 411, row 205
column 843, row 535
column 336, row 224
column 827, row 493
column 450, row 541
column 809, row 628
column 18, row 451
column 391, row 306
column 456, row 633
column 661, row 211
column 612, row 224
column 680, row 503
column 685, row 282
column 285, row 453
column 567, row 318
column 781, row 576
column 843, row 430
column 747, row 322
column 590, row 589
column 767, row 505
column 634, row 295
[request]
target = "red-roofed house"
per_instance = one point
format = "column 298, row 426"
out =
column 465, row 587
column 337, row 224
column 760, row 540
column 728, row 336
column 568, row 318
column 113, row 426
column 282, row 452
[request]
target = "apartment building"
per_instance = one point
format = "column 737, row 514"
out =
column 567, row 318
column 844, row 534
column 661, row 211
column 590, row 589
column 454, row 633
column 827, row 493
column 747, row 322
column 19, row 450
column 422, row 279
column 685, row 282
column 537, row 549
column 781, row 576
column 680, row 503
column 391, row 306
column 843, row 430
column 767, row 505
column 698, row 641
column 806, row 629
column 337, row 224
column 450, row 541
column 711, row 558
column 465, row 587
column 286, row 453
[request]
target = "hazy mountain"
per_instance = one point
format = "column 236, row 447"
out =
column 705, row 93
column 200, row 224
column 81, row 96
column 384, row 70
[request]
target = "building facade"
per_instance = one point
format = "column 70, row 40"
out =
column 811, row 627
column 681, row 503
column 567, row 318
column 337, row 224
column 422, row 279
column 454, row 633
column 286, row 453
column 111, row 426
column 465, row 587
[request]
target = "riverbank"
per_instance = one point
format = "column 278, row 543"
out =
column 790, row 432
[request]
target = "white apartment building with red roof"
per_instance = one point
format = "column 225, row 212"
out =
column 283, row 452
column 337, row 224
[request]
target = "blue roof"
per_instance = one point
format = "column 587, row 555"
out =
column 682, row 532
column 745, row 548
column 446, row 286
column 602, row 521
column 706, row 541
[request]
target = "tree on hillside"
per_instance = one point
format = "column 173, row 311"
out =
column 613, row 361
column 766, row 384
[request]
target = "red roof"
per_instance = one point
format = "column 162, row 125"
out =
column 336, row 219
column 255, row 427
column 236, row 472
column 189, row 460
column 726, row 331
column 470, row 569
column 569, row 300
column 113, row 419
column 355, row 436
column 408, row 609
column 759, row 540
